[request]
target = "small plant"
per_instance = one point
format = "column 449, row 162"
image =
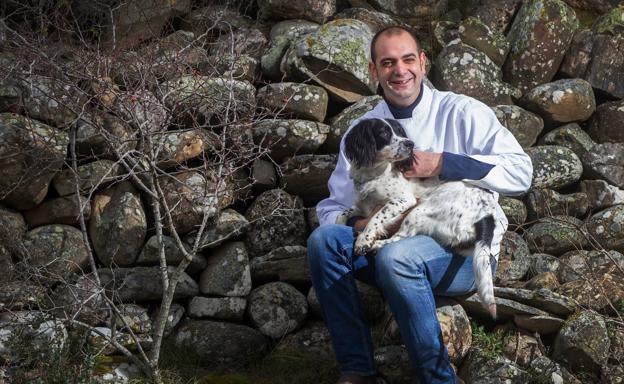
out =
column 490, row 343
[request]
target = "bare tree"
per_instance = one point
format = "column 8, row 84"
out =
column 164, row 116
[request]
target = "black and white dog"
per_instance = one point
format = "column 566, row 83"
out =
column 456, row 214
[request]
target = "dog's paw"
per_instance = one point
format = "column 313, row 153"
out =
column 362, row 245
column 377, row 246
column 362, row 250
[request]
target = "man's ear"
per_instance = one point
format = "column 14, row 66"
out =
column 423, row 60
column 372, row 71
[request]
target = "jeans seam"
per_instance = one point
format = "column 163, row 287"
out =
column 410, row 280
column 356, row 296
column 363, row 333
column 344, row 248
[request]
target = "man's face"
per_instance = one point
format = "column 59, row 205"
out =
column 399, row 68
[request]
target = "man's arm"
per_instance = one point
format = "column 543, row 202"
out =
column 340, row 192
column 494, row 160
column 489, row 142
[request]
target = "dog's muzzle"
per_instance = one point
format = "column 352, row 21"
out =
column 409, row 144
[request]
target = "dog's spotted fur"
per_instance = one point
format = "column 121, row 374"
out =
column 455, row 214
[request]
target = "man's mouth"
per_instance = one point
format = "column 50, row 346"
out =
column 399, row 82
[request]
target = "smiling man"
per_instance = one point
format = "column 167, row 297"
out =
column 456, row 138
column 398, row 65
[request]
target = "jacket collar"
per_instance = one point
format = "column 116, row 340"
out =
column 418, row 106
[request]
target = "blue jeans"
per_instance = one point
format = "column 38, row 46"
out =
column 408, row 272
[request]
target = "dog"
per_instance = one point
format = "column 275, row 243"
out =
column 454, row 213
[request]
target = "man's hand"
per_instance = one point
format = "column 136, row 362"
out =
column 424, row 164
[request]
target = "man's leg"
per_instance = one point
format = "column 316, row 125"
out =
column 409, row 271
column 333, row 267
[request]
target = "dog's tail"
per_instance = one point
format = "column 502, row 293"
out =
column 481, row 264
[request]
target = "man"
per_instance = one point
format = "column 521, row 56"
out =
column 457, row 138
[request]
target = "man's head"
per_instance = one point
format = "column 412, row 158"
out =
column 397, row 64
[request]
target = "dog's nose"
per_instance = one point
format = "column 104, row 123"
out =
column 408, row 143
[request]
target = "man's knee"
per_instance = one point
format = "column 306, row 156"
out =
column 402, row 257
column 323, row 235
column 325, row 241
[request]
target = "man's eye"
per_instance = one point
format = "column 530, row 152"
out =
column 386, row 63
column 409, row 61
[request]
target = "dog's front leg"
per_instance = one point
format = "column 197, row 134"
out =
column 377, row 245
column 417, row 222
column 379, row 223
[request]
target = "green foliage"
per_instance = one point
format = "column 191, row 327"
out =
column 490, row 343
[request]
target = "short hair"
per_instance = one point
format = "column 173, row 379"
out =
column 392, row 30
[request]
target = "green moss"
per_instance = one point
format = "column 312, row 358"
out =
column 349, row 49
column 498, row 39
column 586, row 18
column 565, row 12
column 572, row 318
column 342, row 43
column 343, row 22
column 476, row 22
column 611, row 23
column 539, row 11
column 521, row 33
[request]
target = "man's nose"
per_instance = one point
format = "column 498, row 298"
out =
column 400, row 68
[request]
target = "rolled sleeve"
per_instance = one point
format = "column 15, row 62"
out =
column 493, row 144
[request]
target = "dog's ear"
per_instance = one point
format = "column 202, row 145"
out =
column 396, row 127
column 360, row 145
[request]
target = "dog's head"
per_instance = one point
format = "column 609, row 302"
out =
column 374, row 141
